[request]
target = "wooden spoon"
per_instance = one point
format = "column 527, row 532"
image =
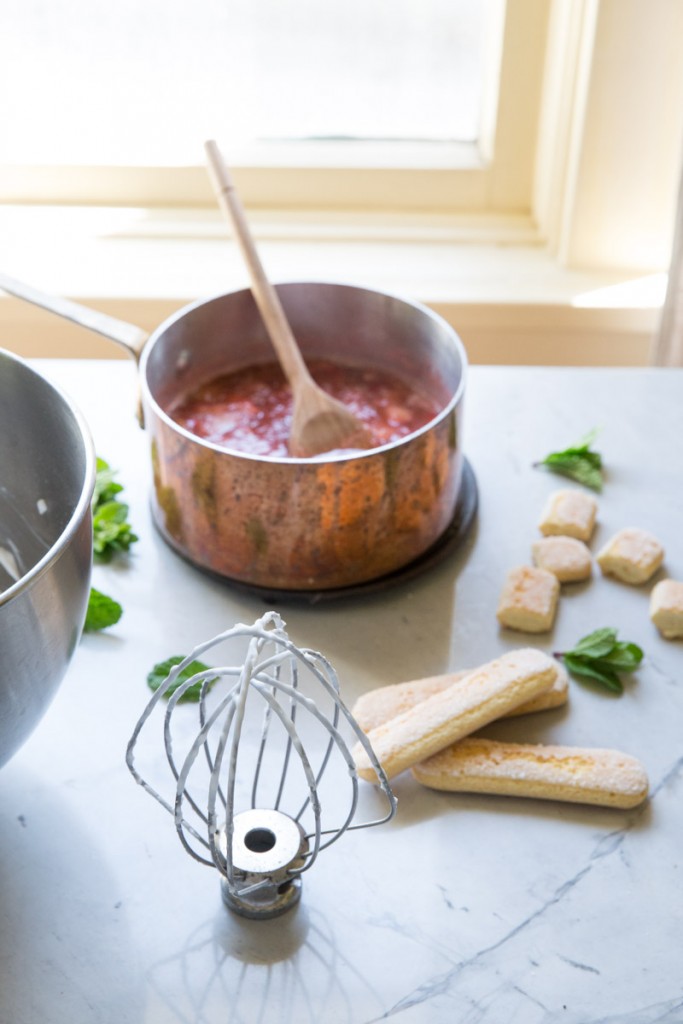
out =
column 319, row 422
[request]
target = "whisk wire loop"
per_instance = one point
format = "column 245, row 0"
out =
column 262, row 851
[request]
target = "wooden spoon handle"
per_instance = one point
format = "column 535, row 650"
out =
column 264, row 293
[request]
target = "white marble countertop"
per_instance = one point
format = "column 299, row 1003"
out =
column 463, row 908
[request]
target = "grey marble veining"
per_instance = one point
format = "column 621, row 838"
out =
column 469, row 909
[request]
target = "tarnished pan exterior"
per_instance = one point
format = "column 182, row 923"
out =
column 298, row 524
column 47, row 480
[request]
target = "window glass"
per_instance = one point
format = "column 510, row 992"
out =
column 144, row 83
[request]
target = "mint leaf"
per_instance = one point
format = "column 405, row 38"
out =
column 578, row 462
column 576, row 468
column 159, row 675
column 102, row 612
column 105, row 487
column 111, row 530
column 606, row 677
column 623, row 658
column 601, row 657
column 596, row 644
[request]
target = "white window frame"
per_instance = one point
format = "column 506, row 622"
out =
column 611, row 133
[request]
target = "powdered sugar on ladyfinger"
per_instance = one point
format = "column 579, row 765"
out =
column 482, row 696
column 574, row 774
column 377, row 706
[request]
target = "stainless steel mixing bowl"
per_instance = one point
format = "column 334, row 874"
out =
column 47, row 476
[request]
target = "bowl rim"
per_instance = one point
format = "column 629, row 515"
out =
column 83, row 504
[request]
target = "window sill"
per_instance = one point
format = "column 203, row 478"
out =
column 491, row 277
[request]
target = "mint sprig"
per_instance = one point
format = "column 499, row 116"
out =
column 111, row 530
column 601, row 658
column 111, row 533
column 106, row 487
column 160, row 673
column 579, row 463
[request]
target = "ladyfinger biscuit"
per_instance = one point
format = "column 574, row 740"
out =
column 467, row 705
column 574, row 774
column 377, row 706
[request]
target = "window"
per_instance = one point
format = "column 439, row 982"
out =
column 577, row 106
column 135, row 83
column 530, row 239
column 391, row 104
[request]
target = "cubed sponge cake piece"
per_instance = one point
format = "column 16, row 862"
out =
column 666, row 608
column 528, row 601
column 565, row 557
column 569, row 513
column 632, row 556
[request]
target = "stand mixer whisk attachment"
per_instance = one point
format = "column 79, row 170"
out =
column 257, row 776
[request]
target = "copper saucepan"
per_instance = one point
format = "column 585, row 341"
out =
column 285, row 523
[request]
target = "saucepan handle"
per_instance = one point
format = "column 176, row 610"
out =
column 132, row 338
